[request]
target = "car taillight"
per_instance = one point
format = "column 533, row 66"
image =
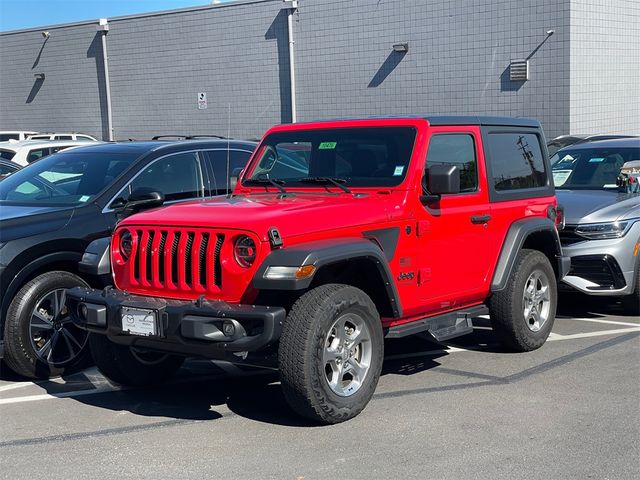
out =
column 125, row 244
column 244, row 251
column 560, row 217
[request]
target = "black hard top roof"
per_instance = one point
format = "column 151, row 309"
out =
column 441, row 120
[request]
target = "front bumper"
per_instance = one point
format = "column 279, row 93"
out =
column 190, row 328
column 604, row 267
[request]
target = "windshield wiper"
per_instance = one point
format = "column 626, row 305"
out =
column 276, row 182
column 338, row 182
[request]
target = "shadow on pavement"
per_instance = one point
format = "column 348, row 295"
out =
column 578, row 305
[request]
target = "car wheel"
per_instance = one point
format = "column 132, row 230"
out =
column 130, row 366
column 331, row 353
column 41, row 341
column 631, row 303
column 522, row 314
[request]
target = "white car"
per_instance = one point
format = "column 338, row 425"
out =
column 17, row 135
column 62, row 136
column 28, row 151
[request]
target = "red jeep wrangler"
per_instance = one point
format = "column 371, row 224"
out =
column 338, row 235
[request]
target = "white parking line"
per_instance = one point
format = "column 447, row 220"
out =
column 598, row 320
column 103, row 385
column 13, row 386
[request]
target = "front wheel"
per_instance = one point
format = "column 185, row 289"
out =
column 522, row 314
column 331, row 353
column 132, row 367
column 41, row 341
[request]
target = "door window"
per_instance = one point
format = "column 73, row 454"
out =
column 37, row 154
column 217, row 160
column 517, row 161
column 458, row 150
column 178, row 176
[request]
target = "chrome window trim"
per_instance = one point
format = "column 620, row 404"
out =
column 107, row 209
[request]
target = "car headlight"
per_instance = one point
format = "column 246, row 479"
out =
column 244, row 251
column 601, row 231
column 125, row 244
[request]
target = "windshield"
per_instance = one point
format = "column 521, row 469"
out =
column 359, row 157
column 596, row 168
column 69, row 178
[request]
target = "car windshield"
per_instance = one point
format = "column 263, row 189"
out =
column 596, row 168
column 69, row 178
column 356, row 157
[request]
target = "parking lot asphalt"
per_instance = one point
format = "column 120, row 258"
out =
column 464, row 410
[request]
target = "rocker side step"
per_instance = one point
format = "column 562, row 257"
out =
column 441, row 327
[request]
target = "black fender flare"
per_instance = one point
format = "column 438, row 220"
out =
column 321, row 253
column 514, row 241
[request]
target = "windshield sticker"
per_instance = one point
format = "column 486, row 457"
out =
column 84, row 198
column 398, row 171
column 596, row 160
column 327, row 145
column 560, row 177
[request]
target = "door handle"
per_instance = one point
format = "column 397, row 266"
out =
column 479, row 219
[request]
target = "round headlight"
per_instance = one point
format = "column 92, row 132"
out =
column 126, row 244
column 244, row 250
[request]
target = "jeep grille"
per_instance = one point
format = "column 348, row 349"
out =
column 177, row 259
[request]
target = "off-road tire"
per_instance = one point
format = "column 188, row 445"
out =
column 301, row 352
column 507, row 306
column 631, row 303
column 19, row 353
column 122, row 366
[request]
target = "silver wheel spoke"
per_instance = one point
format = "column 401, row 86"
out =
column 70, row 338
column 61, row 298
column 40, row 321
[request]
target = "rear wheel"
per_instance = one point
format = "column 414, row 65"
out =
column 523, row 313
column 129, row 366
column 331, row 353
column 41, row 341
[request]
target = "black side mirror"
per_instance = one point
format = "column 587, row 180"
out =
column 440, row 180
column 140, row 199
column 233, row 181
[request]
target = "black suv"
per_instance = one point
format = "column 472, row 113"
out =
column 52, row 210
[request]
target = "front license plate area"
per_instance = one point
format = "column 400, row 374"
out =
column 139, row 321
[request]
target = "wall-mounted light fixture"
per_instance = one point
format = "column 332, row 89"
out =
column 39, row 76
column 401, row 47
column 45, row 34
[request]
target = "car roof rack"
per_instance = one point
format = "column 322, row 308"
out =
column 186, row 137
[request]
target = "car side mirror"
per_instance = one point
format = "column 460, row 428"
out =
column 140, row 199
column 440, row 180
column 233, row 181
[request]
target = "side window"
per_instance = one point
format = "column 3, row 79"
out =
column 516, row 161
column 83, row 137
column 456, row 149
column 217, row 160
column 178, row 176
column 63, row 137
column 37, row 154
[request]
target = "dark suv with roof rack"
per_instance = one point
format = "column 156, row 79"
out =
column 51, row 211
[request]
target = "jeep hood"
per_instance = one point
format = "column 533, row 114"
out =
column 293, row 215
column 597, row 206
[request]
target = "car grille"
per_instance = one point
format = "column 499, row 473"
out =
column 177, row 259
column 600, row 269
column 568, row 235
